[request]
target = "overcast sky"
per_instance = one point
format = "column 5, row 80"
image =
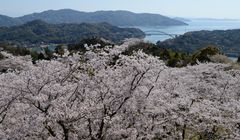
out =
column 179, row 8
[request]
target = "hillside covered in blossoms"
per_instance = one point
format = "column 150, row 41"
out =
column 104, row 93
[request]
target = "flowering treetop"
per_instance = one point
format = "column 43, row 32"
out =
column 96, row 96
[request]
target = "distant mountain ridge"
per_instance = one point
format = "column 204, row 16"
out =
column 38, row 31
column 117, row 18
column 8, row 21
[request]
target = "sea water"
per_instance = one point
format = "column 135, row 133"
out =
column 193, row 25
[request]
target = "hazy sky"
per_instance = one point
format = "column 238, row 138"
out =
column 180, row 8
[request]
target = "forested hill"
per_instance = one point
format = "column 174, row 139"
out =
column 118, row 18
column 9, row 21
column 228, row 41
column 38, row 31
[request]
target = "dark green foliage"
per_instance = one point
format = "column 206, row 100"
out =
column 41, row 56
column 39, row 31
column 48, row 54
column 204, row 54
column 1, row 56
column 148, row 48
column 172, row 59
column 238, row 59
column 228, row 42
column 59, row 50
column 178, row 59
column 77, row 48
column 15, row 50
column 173, row 62
column 35, row 56
column 165, row 54
column 89, row 41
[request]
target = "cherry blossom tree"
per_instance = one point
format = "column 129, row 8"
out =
column 88, row 96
